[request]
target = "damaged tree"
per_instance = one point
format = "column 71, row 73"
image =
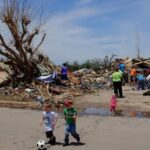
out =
column 19, row 50
column 107, row 62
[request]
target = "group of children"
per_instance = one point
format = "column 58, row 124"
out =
column 50, row 118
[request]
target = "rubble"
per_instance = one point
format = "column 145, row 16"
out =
column 80, row 82
column 139, row 63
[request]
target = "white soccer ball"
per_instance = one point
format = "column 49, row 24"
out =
column 41, row 145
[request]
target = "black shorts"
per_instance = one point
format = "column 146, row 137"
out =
column 49, row 134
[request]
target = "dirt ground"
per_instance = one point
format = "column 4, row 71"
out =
column 20, row 130
column 134, row 100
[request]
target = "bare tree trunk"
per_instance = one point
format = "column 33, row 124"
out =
column 19, row 49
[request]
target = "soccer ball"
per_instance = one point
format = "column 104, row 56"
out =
column 41, row 145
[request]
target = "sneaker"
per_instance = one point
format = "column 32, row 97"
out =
column 78, row 138
column 78, row 141
column 53, row 140
column 121, row 96
column 65, row 144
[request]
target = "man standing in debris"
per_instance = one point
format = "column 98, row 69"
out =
column 64, row 72
column 133, row 74
column 122, row 67
column 140, row 81
column 117, row 83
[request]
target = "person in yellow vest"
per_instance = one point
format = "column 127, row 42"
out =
column 117, row 83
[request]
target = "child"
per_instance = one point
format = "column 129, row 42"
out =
column 113, row 103
column 70, row 117
column 49, row 118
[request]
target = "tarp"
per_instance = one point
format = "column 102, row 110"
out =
column 46, row 79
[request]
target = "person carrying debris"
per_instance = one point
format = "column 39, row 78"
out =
column 117, row 83
column 70, row 114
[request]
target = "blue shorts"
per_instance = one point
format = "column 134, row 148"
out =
column 70, row 128
column 64, row 77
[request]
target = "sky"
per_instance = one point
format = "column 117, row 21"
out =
column 88, row 29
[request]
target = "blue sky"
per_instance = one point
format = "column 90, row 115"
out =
column 88, row 29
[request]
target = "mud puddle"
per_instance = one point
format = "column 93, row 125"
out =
column 122, row 113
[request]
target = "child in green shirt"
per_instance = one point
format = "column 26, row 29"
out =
column 70, row 117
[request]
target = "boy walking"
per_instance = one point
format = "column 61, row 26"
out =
column 49, row 118
column 70, row 114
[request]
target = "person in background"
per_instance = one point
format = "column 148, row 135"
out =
column 148, row 81
column 117, row 83
column 140, row 81
column 133, row 74
column 122, row 67
column 64, row 72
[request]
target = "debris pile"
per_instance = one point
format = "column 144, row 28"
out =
column 142, row 63
column 44, row 88
column 90, row 79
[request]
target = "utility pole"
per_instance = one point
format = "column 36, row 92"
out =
column 137, row 45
